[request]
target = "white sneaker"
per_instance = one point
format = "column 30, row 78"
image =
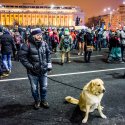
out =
column 78, row 54
column 9, row 70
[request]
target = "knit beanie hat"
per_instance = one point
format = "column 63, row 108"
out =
column 36, row 31
column 6, row 32
column 66, row 31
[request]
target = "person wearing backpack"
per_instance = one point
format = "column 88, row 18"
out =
column 36, row 58
column 54, row 41
column 18, row 43
column 88, row 46
column 104, row 41
column 81, row 42
column 2, row 74
column 115, row 53
column 99, row 39
column 7, row 48
column 65, row 46
column 122, row 37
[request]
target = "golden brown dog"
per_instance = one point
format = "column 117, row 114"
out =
column 90, row 98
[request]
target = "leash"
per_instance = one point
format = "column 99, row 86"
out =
column 63, row 83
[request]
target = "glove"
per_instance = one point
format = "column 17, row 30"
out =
column 60, row 48
column 36, row 67
column 15, row 52
column 49, row 66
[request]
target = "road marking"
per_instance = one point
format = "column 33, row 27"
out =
column 77, row 57
column 67, row 74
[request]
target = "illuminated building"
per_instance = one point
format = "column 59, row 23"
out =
column 114, row 19
column 121, row 11
column 39, row 15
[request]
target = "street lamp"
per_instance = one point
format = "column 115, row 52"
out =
column 123, row 1
column 110, row 17
column 110, row 12
column 108, row 8
column 52, row 6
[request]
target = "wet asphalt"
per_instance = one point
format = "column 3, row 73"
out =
column 16, row 100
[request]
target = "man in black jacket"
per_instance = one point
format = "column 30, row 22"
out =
column 88, row 46
column 35, row 56
column 7, row 47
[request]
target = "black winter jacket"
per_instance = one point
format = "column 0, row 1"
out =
column 114, row 42
column 35, row 57
column 88, row 40
column 7, row 44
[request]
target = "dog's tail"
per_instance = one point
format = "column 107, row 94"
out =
column 72, row 100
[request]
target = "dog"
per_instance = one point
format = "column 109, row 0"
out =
column 90, row 98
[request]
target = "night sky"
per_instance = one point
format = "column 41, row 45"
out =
column 90, row 7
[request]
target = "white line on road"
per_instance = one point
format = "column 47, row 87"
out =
column 67, row 74
column 78, row 57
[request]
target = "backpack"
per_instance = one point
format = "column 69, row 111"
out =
column 89, row 37
column 66, row 42
column 81, row 36
column 53, row 39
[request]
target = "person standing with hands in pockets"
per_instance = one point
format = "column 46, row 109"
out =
column 36, row 58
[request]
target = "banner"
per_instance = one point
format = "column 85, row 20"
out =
column 62, row 20
column 70, row 19
column 38, row 20
column 66, row 20
column 29, row 20
column 7, row 19
column 54, row 20
column 33, row 19
column 3, row 19
column 58, row 20
column 42, row 19
column 46, row 20
column 20, row 19
column 11, row 19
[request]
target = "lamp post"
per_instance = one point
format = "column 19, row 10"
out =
column 109, row 12
column 110, row 18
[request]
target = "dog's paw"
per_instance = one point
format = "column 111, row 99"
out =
column 84, row 120
column 103, row 116
column 102, row 107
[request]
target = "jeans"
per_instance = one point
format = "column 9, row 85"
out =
column 6, row 60
column 104, row 43
column 98, row 45
column 38, row 86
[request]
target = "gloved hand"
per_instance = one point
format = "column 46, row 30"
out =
column 36, row 67
column 15, row 52
column 60, row 48
column 49, row 66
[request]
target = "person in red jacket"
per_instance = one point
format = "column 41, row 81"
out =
column 54, row 38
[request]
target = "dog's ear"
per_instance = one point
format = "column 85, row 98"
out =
column 89, row 85
column 92, row 84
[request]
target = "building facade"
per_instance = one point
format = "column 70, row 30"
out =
column 39, row 15
column 114, row 19
column 121, row 11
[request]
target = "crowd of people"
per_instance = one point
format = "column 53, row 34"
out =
column 65, row 40
column 33, row 48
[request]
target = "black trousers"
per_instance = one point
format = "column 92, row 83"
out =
column 87, row 56
column 122, row 51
